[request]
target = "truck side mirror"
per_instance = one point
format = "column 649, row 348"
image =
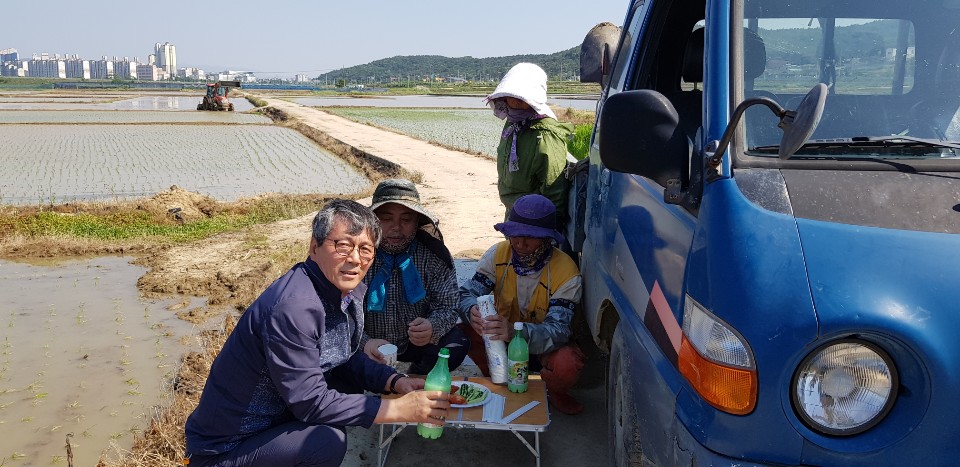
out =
column 596, row 53
column 797, row 125
column 640, row 133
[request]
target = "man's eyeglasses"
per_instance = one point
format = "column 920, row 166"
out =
column 346, row 248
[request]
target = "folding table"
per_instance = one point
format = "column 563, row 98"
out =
column 534, row 421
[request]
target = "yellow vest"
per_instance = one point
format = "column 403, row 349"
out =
column 556, row 272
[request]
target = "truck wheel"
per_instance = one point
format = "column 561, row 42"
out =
column 625, row 445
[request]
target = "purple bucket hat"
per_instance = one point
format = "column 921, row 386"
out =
column 532, row 216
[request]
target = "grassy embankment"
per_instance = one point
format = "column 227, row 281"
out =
column 129, row 224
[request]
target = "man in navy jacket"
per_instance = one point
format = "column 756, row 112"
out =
column 290, row 376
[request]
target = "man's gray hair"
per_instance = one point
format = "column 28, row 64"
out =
column 357, row 218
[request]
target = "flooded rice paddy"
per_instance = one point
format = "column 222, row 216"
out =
column 89, row 147
column 80, row 353
column 146, row 116
column 475, row 131
column 43, row 101
column 41, row 164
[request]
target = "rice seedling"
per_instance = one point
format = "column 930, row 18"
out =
column 81, row 317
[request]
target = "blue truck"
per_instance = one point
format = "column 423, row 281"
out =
column 767, row 227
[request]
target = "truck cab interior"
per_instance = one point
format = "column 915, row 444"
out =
column 892, row 72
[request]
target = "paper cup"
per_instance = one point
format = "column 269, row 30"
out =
column 389, row 352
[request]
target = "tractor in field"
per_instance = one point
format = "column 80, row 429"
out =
column 217, row 96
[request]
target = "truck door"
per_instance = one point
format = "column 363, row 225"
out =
column 643, row 241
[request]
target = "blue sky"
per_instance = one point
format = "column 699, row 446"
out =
column 283, row 37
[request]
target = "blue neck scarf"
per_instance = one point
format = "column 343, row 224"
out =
column 412, row 284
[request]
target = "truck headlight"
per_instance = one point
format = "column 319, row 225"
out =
column 845, row 387
column 716, row 361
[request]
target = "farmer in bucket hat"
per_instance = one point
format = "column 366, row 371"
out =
column 535, row 283
column 411, row 285
column 532, row 153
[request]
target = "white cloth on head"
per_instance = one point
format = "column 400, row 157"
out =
column 527, row 82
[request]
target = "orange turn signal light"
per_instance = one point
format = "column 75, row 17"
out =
column 732, row 390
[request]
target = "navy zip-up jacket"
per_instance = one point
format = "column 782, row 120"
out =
column 286, row 359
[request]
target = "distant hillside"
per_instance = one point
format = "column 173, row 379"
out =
column 414, row 68
column 799, row 45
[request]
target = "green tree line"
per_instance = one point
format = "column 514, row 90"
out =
column 560, row 66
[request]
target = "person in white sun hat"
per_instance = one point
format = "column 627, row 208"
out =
column 532, row 153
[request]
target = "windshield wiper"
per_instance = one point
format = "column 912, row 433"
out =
column 899, row 141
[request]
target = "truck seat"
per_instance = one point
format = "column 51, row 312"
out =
column 942, row 110
column 689, row 104
column 761, row 124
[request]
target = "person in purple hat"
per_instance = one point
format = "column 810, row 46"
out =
column 535, row 283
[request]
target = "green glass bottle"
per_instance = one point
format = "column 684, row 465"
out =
column 518, row 361
column 437, row 380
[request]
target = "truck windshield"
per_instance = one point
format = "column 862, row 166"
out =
column 892, row 70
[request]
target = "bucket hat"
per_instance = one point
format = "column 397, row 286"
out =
column 531, row 216
column 402, row 192
column 527, row 82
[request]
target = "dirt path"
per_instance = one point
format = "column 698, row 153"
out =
column 459, row 188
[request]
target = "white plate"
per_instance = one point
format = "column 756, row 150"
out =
column 486, row 397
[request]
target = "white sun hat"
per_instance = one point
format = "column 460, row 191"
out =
column 527, row 82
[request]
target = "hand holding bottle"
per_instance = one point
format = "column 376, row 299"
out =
column 414, row 406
